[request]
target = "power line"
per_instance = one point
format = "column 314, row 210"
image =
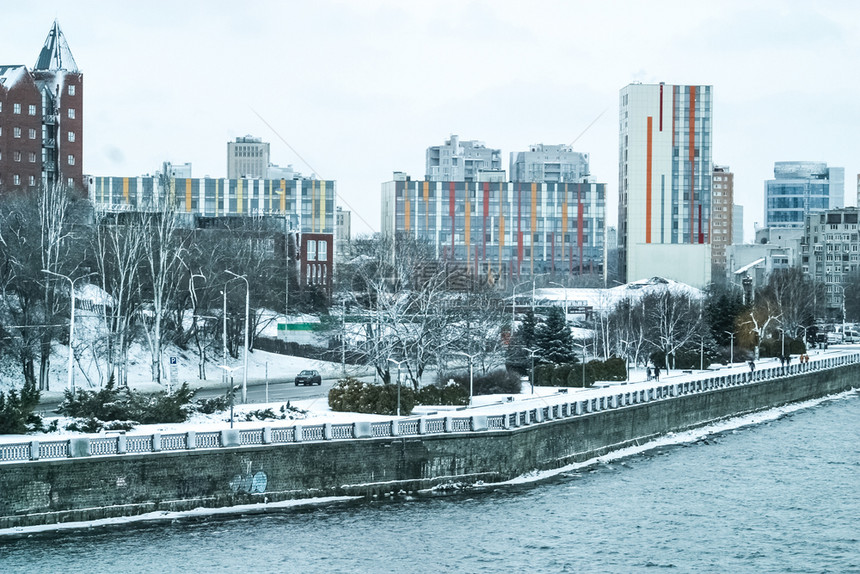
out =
column 594, row 121
column 298, row 155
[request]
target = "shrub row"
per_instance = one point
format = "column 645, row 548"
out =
column 572, row 375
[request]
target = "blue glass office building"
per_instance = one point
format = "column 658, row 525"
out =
column 800, row 188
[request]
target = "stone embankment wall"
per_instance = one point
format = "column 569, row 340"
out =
column 93, row 487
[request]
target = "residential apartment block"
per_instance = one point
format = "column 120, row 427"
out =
column 800, row 188
column 501, row 230
column 549, row 164
column 41, row 119
column 461, row 160
column 830, row 251
column 664, row 183
column 308, row 205
column 247, row 157
column 722, row 220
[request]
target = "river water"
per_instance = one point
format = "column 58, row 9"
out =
column 777, row 496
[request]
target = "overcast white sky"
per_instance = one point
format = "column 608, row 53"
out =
column 361, row 88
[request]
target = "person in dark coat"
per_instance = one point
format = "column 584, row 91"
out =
column 752, row 366
column 657, row 373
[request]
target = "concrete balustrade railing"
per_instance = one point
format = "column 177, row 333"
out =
column 121, row 444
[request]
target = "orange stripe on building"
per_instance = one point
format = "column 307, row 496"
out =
column 217, row 203
column 648, row 168
column 188, row 194
column 125, row 189
column 407, row 207
column 313, row 204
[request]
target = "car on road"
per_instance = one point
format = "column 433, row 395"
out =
column 308, row 377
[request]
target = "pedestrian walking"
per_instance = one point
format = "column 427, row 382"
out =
column 657, row 373
column 648, row 373
column 752, row 366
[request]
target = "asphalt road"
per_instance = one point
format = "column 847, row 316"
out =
column 279, row 390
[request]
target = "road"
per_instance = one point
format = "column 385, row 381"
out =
column 279, row 390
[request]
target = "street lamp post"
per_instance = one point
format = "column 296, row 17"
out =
column 247, row 326
column 583, row 346
column 731, row 346
column 782, row 337
column 566, row 307
column 471, row 375
column 228, row 371
column 71, row 369
column 398, row 381
column 531, row 353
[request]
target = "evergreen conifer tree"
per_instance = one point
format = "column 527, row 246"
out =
column 553, row 339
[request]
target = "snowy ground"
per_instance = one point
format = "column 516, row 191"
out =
column 317, row 411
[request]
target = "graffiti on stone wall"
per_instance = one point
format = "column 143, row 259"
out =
column 248, row 481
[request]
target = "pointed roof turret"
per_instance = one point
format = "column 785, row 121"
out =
column 55, row 54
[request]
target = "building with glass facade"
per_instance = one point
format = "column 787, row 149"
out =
column 664, row 183
column 800, row 188
column 307, row 204
column 502, row 230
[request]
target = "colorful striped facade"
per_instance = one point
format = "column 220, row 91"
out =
column 665, row 175
column 502, row 229
column 309, row 204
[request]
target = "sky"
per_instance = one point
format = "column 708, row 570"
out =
column 352, row 90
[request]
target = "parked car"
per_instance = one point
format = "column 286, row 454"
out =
column 851, row 336
column 834, row 337
column 308, row 377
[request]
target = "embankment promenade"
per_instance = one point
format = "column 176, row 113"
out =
column 96, row 477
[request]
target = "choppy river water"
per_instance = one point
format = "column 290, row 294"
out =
column 779, row 496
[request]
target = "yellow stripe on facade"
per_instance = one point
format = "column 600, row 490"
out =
column 406, row 206
column 322, row 205
column 217, row 203
column 188, row 194
column 240, row 197
column 313, row 205
column 283, row 196
column 125, row 189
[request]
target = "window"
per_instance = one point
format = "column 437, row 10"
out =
column 16, row 132
column 16, row 156
column 32, row 180
column 16, row 179
column 32, row 157
column 32, row 134
column 16, row 108
column 71, row 90
column 31, row 110
column 71, row 159
column 71, row 136
column 71, row 182
column 71, row 113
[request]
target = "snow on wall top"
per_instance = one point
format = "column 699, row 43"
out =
column 607, row 299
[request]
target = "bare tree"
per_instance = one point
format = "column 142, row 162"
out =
column 118, row 251
column 163, row 248
column 675, row 320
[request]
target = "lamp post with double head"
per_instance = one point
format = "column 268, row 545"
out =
column 398, row 363
column 71, row 368
column 247, row 327
column 471, row 372
column 731, row 335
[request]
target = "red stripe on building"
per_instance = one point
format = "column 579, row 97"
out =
column 579, row 214
column 661, row 107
